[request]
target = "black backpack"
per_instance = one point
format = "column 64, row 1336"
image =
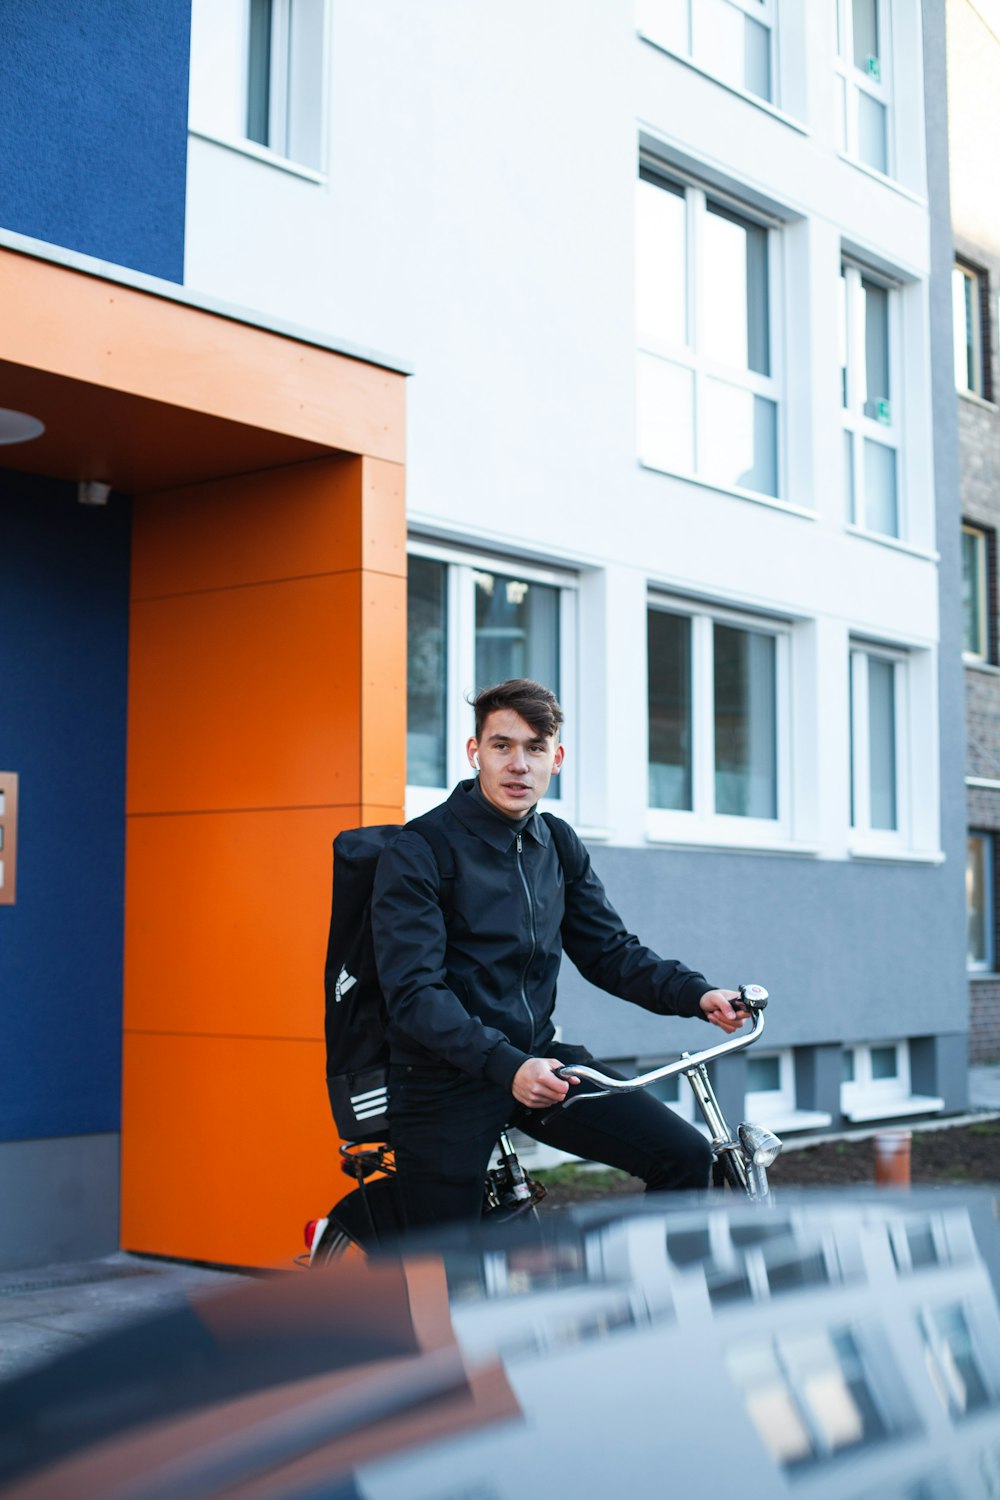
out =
column 357, row 1054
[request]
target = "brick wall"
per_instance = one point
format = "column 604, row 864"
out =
column 984, row 1020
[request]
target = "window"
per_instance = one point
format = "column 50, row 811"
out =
column 977, row 614
column 811, row 1394
column 969, row 301
column 878, row 783
column 285, row 78
column 730, row 38
column 716, row 694
column 875, row 1083
column 979, row 900
column 958, row 1368
column 770, row 1086
column 868, row 316
column 471, row 622
column 707, row 393
column 864, row 99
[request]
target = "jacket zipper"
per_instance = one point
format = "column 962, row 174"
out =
column 531, row 955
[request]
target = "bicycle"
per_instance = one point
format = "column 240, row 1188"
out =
column 368, row 1217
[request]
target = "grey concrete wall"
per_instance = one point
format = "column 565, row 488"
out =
column 60, row 1200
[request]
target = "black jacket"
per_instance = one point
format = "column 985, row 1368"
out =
column 478, row 991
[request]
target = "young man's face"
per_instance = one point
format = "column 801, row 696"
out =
column 516, row 763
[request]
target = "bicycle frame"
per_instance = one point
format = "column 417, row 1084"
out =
column 743, row 1159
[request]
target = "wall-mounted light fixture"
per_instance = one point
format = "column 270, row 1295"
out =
column 93, row 492
column 18, row 426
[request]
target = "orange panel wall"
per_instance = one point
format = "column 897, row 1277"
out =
column 267, row 712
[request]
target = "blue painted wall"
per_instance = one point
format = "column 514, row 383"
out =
column 64, row 577
column 93, row 127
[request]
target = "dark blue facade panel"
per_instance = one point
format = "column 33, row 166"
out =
column 93, row 127
column 64, row 575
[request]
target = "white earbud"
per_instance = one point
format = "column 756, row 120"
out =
column 475, row 762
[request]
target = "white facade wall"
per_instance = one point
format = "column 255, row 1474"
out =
column 475, row 218
column 473, row 215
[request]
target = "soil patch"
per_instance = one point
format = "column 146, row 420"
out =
column 954, row 1154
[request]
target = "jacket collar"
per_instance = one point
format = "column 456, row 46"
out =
column 472, row 814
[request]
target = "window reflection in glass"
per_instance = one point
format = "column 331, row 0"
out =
column 734, row 304
column 876, row 367
column 965, row 318
column 661, row 274
column 669, row 643
column 738, row 441
column 979, row 900
column 951, row 1359
column 881, row 509
column 426, row 673
column 666, row 414
column 974, row 638
column 745, row 723
column 866, row 38
column 872, row 135
column 882, row 742
column 517, row 630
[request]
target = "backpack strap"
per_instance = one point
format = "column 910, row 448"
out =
column 567, row 847
column 444, row 858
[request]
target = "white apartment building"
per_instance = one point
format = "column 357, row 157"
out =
column 669, row 279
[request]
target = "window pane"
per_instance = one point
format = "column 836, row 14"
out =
column 734, row 300
column 876, row 315
column 961, row 308
column 763, row 1075
column 949, row 1344
column 661, row 296
column 259, row 72
column 669, row 648
column 849, row 495
column 305, row 82
column 745, row 747
column 885, row 1063
column 871, row 132
column 882, row 742
column 881, row 513
column 842, row 335
column 757, row 51
column 973, row 592
column 866, row 39
column 666, row 414
column 978, row 900
column 847, row 1065
column 719, row 39
column 738, row 438
column 666, row 21
column 426, row 673
column 517, row 631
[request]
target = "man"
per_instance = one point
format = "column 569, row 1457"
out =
column 468, row 961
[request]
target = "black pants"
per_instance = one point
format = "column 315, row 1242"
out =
column 445, row 1127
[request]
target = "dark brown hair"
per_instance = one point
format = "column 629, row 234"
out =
column 536, row 705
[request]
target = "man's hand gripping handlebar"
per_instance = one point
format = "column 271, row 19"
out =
column 750, row 997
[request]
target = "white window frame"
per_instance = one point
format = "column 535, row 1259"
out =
column 960, row 275
column 887, row 429
column 984, row 965
column 281, row 95
column 853, row 82
column 702, row 824
column 868, row 1098
column 695, row 45
column 863, row 835
column 461, row 656
column 687, row 355
column 969, row 528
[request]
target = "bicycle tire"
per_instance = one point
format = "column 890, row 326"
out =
column 335, row 1244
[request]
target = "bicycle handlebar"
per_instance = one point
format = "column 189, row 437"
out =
column 753, row 999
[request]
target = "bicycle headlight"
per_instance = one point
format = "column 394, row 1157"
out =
column 762, row 1146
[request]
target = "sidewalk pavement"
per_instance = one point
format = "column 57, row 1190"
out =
column 49, row 1310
